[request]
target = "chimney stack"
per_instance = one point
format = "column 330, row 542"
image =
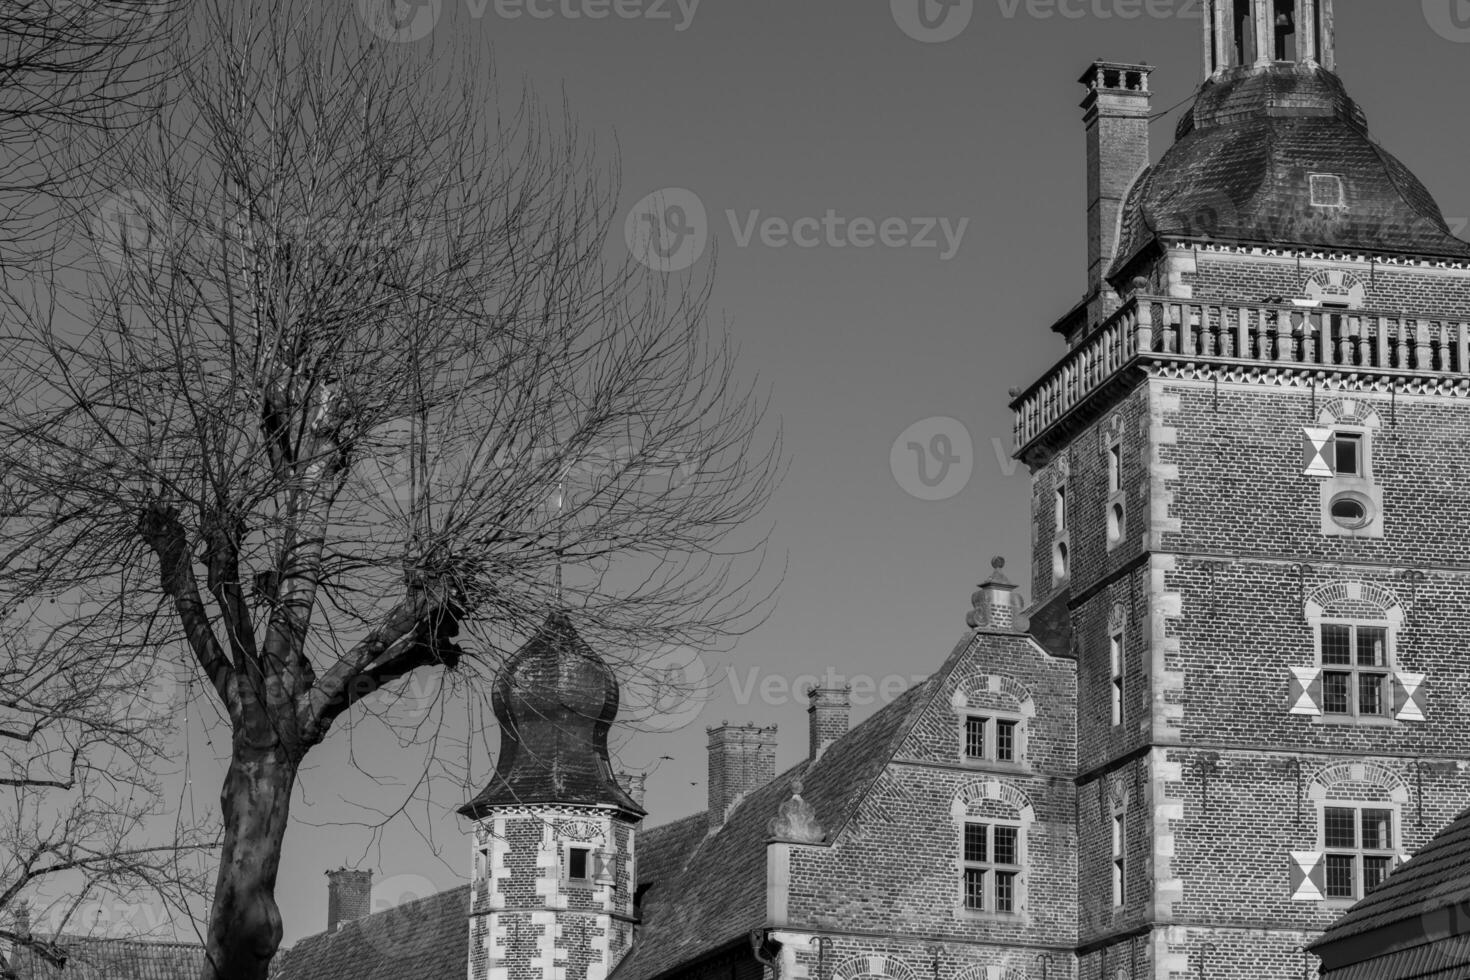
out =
column 827, row 714
column 742, row 758
column 349, row 896
column 1115, row 114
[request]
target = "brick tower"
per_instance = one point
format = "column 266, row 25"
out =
column 554, row 861
column 1248, row 478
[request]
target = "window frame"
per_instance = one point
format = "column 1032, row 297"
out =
column 590, row 880
column 1117, row 656
column 992, row 720
column 1358, row 852
column 1355, row 671
column 1119, row 863
column 991, row 869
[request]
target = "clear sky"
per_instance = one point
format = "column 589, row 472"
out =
column 794, row 109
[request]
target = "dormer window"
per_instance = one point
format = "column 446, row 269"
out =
column 1327, row 191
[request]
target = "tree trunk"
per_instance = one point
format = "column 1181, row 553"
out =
column 245, row 924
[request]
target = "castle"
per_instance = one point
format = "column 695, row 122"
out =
column 1236, row 703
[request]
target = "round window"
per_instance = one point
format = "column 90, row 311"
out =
column 1349, row 511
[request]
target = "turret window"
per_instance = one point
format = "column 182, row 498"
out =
column 579, row 865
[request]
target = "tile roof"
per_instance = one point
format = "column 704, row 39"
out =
column 1414, row 925
column 427, row 940
column 112, row 959
column 1240, row 168
column 717, row 895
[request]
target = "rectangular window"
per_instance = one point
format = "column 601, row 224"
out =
column 992, row 739
column 579, row 864
column 1347, row 453
column 1005, row 741
column 1116, row 645
column 1115, row 469
column 1359, row 849
column 1061, row 509
column 992, row 867
column 975, row 737
column 1356, row 672
column 1120, row 859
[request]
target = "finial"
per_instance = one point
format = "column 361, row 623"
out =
column 796, row 821
column 997, row 563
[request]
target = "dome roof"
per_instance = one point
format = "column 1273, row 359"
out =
column 555, row 700
column 1243, row 165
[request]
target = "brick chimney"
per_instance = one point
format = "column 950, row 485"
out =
column 349, row 896
column 742, row 758
column 827, row 713
column 1115, row 114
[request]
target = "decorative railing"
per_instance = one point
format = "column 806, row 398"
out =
column 1287, row 337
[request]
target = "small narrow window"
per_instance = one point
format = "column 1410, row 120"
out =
column 1061, row 509
column 1120, row 859
column 1115, row 469
column 1115, row 522
column 579, row 864
column 975, row 737
column 1005, row 741
column 1347, row 453
column 1116, row 643
column 1059, row 561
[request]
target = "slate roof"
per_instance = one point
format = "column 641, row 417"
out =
column 1414, row 926
column 427, row 940
column 555, row 701
column 112, row 959
column 717, row 894
column 1239, row 172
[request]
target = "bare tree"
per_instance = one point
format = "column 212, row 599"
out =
column 333, row 405
column 81, row 805
column 67, row 67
